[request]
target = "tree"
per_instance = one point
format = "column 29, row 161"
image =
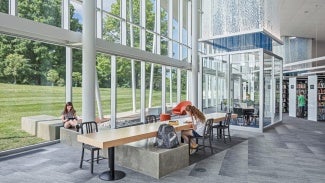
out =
column 111, row 32
column 16, row 66
column 4, row 6
column 103, row 67
column 76, row 78
column 53, row 76
column 41, row 56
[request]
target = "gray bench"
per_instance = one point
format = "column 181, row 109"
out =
column 29, row 123
column 143, row 157
column 49, row 130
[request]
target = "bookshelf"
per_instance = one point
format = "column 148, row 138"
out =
column 302, row 87
column 320, row 99
column 285, row 96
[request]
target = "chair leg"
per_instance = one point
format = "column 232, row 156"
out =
column 92, row 162
column 211, row 133
column 97, row 156
column 229, row 134
column 189, row 145
column 203, row 141
column 224, row 135
column 211, row 146
column 82, row 157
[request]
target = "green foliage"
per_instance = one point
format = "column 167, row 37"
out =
column 16, row 67
column 4, row 6
column 53, row 76
column 41, row 57
column 103, row 70
column 76, row 78
column 17, row 101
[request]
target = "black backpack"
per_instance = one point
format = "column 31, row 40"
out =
column 166, row 137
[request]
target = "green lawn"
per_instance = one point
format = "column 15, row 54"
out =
column 17, row 101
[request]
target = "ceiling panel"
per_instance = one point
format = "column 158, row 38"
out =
column 303, row 18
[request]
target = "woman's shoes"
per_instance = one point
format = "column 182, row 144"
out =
column 77, row 127
column 194, row 146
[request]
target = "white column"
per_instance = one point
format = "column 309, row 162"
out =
column 99, row 31
column 229, row 82
column 198, row 92
column 189, row 53
column 195, row 62
column 261, row 90
column 158, row 47
column 180, row 48
column 88, row 60
column 68, row 52
column 113, row 92
column 143, row 64
column 132, row 60
column 170, row 47
column 13, row 7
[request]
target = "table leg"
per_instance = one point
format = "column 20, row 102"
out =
column 111, row 174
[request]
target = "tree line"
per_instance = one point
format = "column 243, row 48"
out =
column 30, row 62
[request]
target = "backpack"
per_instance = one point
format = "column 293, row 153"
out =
column 166, row 137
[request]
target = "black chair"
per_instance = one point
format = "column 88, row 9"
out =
column 240, row 115
column 224, row 127
column 255, row 115
column 151, row 119
column 85, row 128
column 206, row 135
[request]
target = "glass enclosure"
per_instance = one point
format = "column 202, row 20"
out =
column 232, row 82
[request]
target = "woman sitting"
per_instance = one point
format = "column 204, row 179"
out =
column 69, row 116
column 198, row 120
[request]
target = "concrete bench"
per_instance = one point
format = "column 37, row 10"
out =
column 69, row 137
column 49, row 130
column 29, row 123
column 140, row 156
column 143, row 157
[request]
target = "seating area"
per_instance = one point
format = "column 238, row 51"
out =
column 242, row 160
column 129, row 153
column 43, row 126
column 85, row 128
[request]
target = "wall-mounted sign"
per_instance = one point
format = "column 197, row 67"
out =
column 312, row 86
column 292, row 86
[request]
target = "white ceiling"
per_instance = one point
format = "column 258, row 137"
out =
column 303, row 18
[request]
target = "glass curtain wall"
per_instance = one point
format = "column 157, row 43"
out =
column 214, row 84
column 119, row 21
column 243, row 95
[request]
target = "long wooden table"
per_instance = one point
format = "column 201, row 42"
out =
column 115, row 137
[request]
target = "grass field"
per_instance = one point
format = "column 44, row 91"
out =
column 17, row 101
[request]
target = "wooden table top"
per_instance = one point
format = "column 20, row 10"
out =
column 115, row 137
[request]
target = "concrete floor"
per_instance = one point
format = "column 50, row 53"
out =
column 293, row 151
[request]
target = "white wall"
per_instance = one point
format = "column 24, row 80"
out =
column 312, row 98
column 292, row 97
column 320, row 49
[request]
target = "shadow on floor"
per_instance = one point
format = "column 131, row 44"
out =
column 218, row 146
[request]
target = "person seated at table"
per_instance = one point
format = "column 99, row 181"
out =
column 198, row 120
column 248, row 101
column 69, row 116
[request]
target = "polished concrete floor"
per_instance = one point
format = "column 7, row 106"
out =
column 293, row 151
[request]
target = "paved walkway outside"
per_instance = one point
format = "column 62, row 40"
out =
column 291, row 152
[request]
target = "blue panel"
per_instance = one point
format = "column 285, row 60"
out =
column 243, row 42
